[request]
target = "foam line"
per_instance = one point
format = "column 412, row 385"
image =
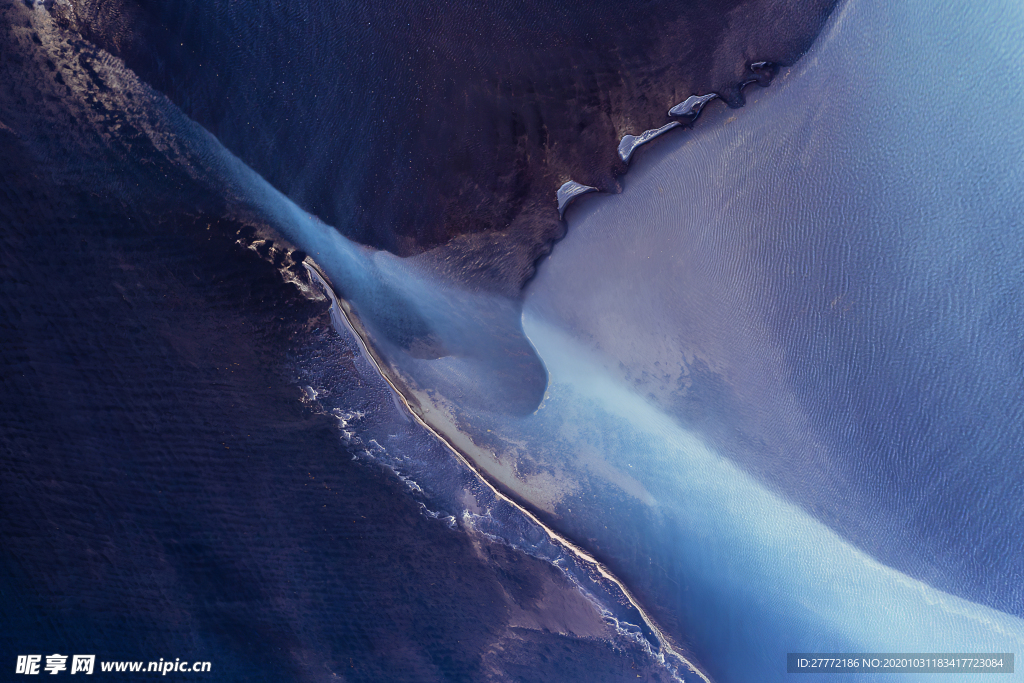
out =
column 353, row 325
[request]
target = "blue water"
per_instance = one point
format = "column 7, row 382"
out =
column 823, row 291
column 199, row 461
column 784, row 364
column 774, row 385
column 826, row 285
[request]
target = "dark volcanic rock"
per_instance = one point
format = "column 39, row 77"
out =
column 164, row 492
column 411, row 125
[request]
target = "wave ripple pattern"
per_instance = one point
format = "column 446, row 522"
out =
column 798, row 331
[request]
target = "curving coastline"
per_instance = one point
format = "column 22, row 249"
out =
column 509, row 100
column 415, row 410
column 685, row 113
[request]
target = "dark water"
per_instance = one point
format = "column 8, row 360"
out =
column 774, row 385
column 168, row 490
column 166, row 494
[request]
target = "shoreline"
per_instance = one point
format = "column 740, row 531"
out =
column 351, row 321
